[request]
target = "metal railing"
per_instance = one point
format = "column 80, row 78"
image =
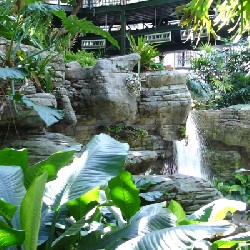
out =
column 98, row 3
column 159, row 37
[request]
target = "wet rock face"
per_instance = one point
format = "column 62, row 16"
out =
column 227, row 135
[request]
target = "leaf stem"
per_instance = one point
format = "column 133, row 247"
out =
column 52, row 230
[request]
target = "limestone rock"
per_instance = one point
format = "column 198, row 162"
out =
column 74, row 71
column 138, row 162
column 190, row 192
column 227, row 134
column 31, row 119
column 42, row 145
column 165, row 102
column 118, row 64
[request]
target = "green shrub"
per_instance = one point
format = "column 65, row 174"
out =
column 83, row 57
column 222, row 75
column 147, row 51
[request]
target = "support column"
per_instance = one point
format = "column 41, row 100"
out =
column 123, row 32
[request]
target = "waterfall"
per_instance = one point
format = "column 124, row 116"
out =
column 188, row 152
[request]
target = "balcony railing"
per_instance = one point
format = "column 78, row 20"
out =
column 98, row 3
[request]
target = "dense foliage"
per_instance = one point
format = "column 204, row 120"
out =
column 83, row 57
column 222, row 75
column 233, row 14
column 147, row 52
column 30, row 22
column 94, row 204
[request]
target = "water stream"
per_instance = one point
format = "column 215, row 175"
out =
column 188, row 152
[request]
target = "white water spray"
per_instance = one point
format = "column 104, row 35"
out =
column 188, row 152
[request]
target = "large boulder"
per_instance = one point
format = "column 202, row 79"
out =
column 227, row 136
column 165, row 103
column 190, row 192
column 41, row 144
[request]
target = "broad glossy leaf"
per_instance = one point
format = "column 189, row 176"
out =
column 102, row 160
column 30, row 212
column 48, row 114
column 52, row 165
column 7, row 210
column 12, row 157
column 47, row 216
column 231, row 241
column 83, row 26
column 12, row 73
column 69, row 236
column 180, row 237
column 149, row 219
column 9, row 236
column 217, row 210
column 176, row 208
column 12, row 189
column 81, row 206
column 38, row 6
column 124, row 194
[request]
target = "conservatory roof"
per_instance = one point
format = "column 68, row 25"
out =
column 107, row 12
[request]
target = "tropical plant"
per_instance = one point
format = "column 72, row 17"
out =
column 36, row 203
column 83, row 57
column 238, row 188
column 25, row 22
column 147, row 51
column 221, row 75
column 233, row 14
column 93, row 204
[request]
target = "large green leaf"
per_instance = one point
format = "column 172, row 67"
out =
column 9, row 236
column 149, row 219
column 30, row 212
column 7, row 210
column 102, row 160
column 80, row 206
column 232, row 241
column 83, row 26
column 217, row 210
column 48, row 114
column 180, row 237
column 51, row 165
column 124, row 194
column 12, row 189
column 47, row 216
column 12, row 73
column 69, row 236
column 39, row 6
column 177, row 210
column 12, row 157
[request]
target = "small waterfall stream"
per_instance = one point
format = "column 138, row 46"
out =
column 188, row 152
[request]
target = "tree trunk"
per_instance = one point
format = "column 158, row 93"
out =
column 77, row 7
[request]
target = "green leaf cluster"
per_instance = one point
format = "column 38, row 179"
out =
column 85, row 58
column 221, row 75
column 147, row 51
column 232, row 14
column 92, row 203
column 33, row 196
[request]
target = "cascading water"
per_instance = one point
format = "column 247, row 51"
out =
column 188, row 152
